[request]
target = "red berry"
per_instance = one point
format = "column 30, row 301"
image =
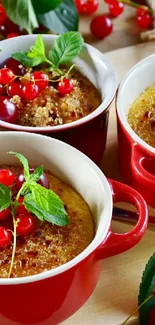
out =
column 101, row 26
column 145, row 21
column 4, row 214
column 65, row 86
column 116, row 8
column 11, row 35
column 14, row 89
column 21, row 210
column 8, row 27
column 2, row 14
column 30, row 91
column 2, row 90
column 43, row 179
column 140, row 11
column 41, row 79
column 7, row 177
column 17, row 67
column 6, row 75
column 8, row 110
column 26, row 224
column 5, row 237
column 151, row 320
column 86, row 6
column 109, row 1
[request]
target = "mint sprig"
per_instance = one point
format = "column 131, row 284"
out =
column 5, row 197
column 66, row 47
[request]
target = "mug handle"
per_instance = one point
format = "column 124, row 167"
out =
column 117, row 243
column 140, row 173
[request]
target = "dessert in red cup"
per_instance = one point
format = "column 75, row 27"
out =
column 46, row 298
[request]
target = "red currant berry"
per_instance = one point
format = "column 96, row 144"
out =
column 86, row 6
column 26, row 224
column 21, row 210
column 14, row 89
column 65, row 86
column 41, row 79
column 8, row 27
column 4, row 214
column 11, row 35
column 7, row 177
column 140, row 11
column 101, row 26
column 145, row 21
column 6, row 75
column 17, row 68
column 2, row 14
column 116, row 8
column 8, row 110
column 109, row 1
column 2, row 90
column 43, row 179
column 30, row 91
column 5, row 237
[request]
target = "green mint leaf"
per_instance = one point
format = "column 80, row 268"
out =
column 24, row 162
column 63, row 19
column 24, row 59
column 33, row 207
column 37, row 174
column 22, row 13
column 38, row 50
column 50, row 203
column 5, row 197
column 43, row 6
column 66, row 47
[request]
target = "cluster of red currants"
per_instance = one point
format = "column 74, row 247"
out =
column 26, row 222
column 12, row 83
column 101, row 25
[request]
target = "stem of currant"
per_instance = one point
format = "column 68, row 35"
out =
column 136, row 5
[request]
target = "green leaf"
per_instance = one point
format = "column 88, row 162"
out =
column 5, row 197
column 24, row 59
column 50, row 203
column 37, row 174
column 63, row 19
column 66, row 47
column 38, row 50
column 22, row 13
column 24, row 162
column 33, row 207
column 42, row 6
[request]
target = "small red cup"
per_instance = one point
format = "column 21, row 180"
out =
column 89, row 133
column 50, row 297
column 137, row 158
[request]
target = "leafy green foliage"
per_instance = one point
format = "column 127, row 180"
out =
column 24, row 162
column 22, row 57
column 43, row 6
column 37, row 174
column 5, row 197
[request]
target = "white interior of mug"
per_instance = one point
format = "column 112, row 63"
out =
column 72, row 167
column 140, row 77
column 91, row 63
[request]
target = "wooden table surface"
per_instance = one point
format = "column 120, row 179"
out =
column 115, row 296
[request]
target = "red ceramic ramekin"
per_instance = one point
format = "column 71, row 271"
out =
column 89, row 133
column 137, row 159
column 51, row 297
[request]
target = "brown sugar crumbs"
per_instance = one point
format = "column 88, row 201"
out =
column 51, row 109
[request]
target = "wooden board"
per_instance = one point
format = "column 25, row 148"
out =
column 116, row 294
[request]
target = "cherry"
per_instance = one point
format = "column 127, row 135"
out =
column 41, row 79
column 21, row 210
column 65, row 86
column 5, row 237
column 8, row 110
column 43, row 179
column 86, row 6
column 2, row 90
column 30, row 91
column 26, row 224
column 11, row 35
column 4, row 214
column 145, row 20
column 116, row 8
column 101, row 26
column 14, row 89
column 17, row 67
column 8, row 27
column 6, row 75
column 7, row 177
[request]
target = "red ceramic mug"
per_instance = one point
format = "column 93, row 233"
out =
column 49, row 298
column 89, row 133
column 137, row 159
